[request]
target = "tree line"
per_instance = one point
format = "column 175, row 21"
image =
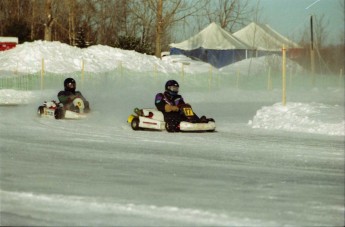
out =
column 143, row 25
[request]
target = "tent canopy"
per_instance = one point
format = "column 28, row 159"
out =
column 212, row 37
column 263, row 37
column 213, row 45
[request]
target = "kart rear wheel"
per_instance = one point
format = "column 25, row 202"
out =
column 171, row 127
column 40, row 110
column 135, row 124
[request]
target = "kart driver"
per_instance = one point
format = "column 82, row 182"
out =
column 67, row 96
column 168, row 103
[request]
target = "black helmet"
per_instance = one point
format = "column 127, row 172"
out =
column 172, row 87
column 69, row 84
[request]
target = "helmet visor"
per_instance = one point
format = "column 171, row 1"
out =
column 173, row 88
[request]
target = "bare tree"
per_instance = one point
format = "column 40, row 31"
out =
column 104, row 21
column 228, row 13
column 49, row 21
column 321, row 30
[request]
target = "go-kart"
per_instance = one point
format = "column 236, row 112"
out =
column 56, row 110
column 153, row 119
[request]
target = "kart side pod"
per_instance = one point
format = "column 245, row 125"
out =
column 147, row 118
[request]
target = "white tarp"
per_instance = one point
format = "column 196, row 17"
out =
column 8, row 39
column 212, row 37
column 263, row 37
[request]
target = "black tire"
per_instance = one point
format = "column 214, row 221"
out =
column 171, row 127
column 59, row 113
column 135, row 124
column 40, row 110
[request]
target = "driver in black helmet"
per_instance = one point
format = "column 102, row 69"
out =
column 67, row 96
column 168, row 102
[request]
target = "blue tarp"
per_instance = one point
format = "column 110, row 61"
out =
column 217, row 58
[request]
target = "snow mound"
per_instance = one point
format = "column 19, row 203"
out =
column 58, row 57
column 301, row 117
column 14, row 97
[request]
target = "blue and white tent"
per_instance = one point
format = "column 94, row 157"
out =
column 213, row 45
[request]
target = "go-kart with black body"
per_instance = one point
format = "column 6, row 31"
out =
column 186, row 120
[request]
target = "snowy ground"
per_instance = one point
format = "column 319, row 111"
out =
column 267, row 164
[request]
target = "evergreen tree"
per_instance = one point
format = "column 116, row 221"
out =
column 133, row 43
column 80, row 40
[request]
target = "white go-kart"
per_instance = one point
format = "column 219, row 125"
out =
column 153, row 119
column 56, row 110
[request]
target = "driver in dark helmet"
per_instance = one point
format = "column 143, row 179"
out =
column 169, row 103
column 69, row 93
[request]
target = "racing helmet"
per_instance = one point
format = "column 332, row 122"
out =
column 69, row 84
column 172, row 87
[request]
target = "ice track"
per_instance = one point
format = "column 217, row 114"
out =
column 98, row 171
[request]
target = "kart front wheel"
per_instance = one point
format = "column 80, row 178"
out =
column 59, row 113
column 135, row 124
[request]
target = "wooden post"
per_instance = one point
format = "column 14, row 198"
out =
column 340, row 77
column 284, row 76
column 42, row 74
column 210, row 77
column 182, row 71
column 82, row 73
column 237, row 79
column 269, row 80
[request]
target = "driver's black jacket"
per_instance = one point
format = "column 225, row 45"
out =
column 166, row 98
column 67, row 97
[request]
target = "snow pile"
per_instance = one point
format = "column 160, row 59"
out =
column 13, row 97
column 58, row 57
column 28, row 57
column 61, row 58
column 301, row 117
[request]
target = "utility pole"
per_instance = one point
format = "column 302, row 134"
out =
column 159, row 28
column 312, row 55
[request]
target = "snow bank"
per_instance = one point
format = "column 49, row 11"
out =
column 61, row 58
column 58, row 57
column 301, row 117
column 13, row 97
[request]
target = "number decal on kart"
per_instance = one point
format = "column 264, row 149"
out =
column 188, row 112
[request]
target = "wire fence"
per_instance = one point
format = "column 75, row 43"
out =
column 267, row 80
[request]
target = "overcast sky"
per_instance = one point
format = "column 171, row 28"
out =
column 291, row 17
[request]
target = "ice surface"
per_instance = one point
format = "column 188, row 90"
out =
column 267, row 164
